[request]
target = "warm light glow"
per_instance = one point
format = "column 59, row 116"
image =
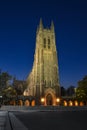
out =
column 65, row 103
column 33, row 103
column 27, row 103
column 42, row 99
column 81, row 104
column 70, row 103
column 26, row 93
column 58, row 99
column 20, row 102
column 76, row 103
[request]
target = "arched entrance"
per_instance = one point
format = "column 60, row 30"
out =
column 27, row 103
column 49, row 99
column 33, row 103
column 20, row 102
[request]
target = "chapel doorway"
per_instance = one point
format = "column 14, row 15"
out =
column 49, row 99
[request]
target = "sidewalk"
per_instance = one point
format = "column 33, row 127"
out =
column 15, row 123
column 4, row 121
column 9, row 122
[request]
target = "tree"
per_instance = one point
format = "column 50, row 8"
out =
column 4, row 80
column 19, row 86
column 9, row 92
column 81, row 91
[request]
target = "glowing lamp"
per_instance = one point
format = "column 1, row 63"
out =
column 42, row 99
column 58, row 99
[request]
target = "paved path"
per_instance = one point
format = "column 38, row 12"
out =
column 15, row 123
column 4, row 121
column 9, row 122
column 53, row 120
column 44, row 118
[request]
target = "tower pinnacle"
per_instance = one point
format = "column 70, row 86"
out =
column 52, row 26
column 40, row 24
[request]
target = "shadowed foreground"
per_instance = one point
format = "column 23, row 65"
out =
column 53, row 120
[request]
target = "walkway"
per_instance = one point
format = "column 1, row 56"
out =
column 9, row 122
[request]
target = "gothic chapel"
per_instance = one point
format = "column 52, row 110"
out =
column 43, row 81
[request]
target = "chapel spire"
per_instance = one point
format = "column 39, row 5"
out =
column 52, row 26
column 40, row 24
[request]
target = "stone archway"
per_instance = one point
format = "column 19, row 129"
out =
column 20, row 102
column 49, row 99
column 33, row 103
column 27, row 103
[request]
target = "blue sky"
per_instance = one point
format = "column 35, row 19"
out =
column 18, row 24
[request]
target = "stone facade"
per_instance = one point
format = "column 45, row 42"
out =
column 43, row 81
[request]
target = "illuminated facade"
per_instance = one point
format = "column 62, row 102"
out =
column 43, row 81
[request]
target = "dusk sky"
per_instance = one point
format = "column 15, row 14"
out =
column 18, row 24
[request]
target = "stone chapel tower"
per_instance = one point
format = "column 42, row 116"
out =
column 43, row 81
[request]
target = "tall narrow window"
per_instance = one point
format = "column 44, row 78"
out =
column 50, row 83
column 44, row 42
column 45, row 83
column 48, row 43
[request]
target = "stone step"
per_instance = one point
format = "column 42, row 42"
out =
column 43, row 108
